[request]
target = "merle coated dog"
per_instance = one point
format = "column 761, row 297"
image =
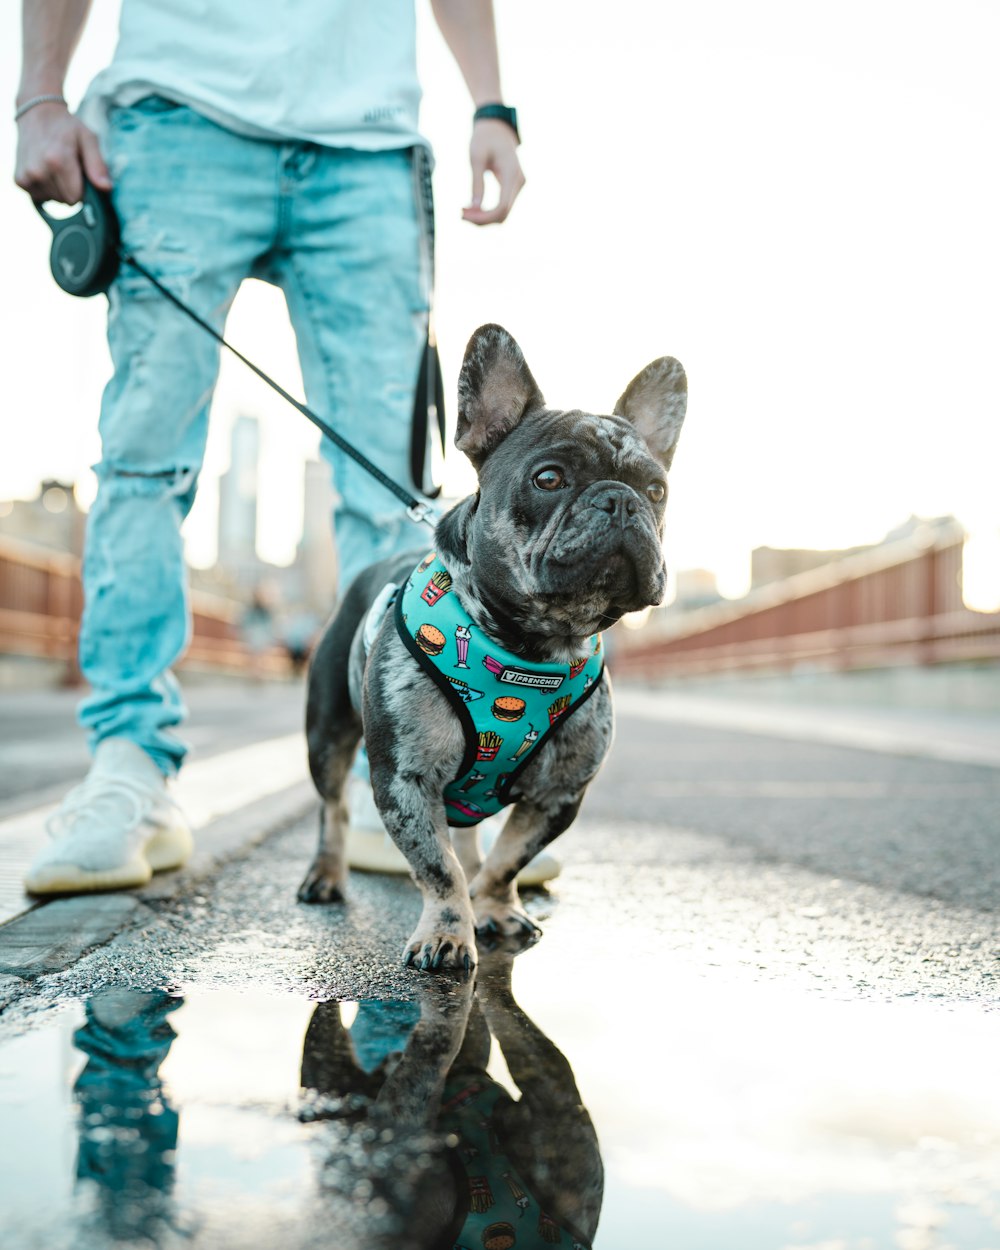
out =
column 562, row 538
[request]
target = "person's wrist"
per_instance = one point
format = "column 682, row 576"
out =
column 42, row 99
column 499, row 113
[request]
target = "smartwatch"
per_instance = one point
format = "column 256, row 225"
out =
column 499, row 113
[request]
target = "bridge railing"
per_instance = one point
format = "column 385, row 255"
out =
column 41, row 601
column 896, row 604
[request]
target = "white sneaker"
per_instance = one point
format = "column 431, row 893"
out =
column 113, row 830
column 370, row 848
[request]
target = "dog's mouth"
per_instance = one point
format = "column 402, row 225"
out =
column 621, row 564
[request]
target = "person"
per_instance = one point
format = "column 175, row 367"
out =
column 276, row 141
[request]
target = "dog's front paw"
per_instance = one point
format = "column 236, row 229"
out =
column 503, row 918
column 323, row 883
column 444, row 939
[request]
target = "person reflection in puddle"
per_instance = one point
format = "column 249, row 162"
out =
column 127, row 1127
column 450, row 1161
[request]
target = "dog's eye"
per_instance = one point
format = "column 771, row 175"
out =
column 549, row 479
column 655, row 491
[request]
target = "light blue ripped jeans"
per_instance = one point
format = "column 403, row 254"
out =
column 203, row 208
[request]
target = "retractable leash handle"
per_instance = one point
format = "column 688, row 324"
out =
column 85, row 257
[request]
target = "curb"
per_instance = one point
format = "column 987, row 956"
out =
column 54, row 935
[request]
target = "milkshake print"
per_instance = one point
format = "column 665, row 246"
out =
column 462, row 635
column 516, row 1192
column 473, row 777
column 529, row 740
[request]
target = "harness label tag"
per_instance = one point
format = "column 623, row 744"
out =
column 523, row 676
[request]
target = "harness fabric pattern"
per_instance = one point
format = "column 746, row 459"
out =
column 508, row 707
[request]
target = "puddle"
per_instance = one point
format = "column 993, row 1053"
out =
column 708, row 1116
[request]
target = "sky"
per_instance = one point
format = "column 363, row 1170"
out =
column 797, row 199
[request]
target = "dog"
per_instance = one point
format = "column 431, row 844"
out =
column 562, row 538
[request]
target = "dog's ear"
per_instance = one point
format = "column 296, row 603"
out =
column 495, row 389
column 655, row 402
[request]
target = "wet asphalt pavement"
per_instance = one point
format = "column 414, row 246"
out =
column 763, row 1013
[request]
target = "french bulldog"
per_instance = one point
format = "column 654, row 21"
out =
column 561, row 539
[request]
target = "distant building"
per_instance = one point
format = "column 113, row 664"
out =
column 53, row 519
column 695, row 589
column 316, row 553
column 238, row 499
column 774, row 564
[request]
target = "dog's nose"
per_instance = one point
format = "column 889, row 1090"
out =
column 617, row 501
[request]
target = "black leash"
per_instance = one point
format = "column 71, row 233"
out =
column 84, row 261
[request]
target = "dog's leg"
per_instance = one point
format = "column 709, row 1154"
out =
column 412, row 759
column 493, row 890
column 330, row 763
column 414, row 816
column 468, row 849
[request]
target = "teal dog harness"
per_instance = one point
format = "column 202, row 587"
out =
column 508, row 707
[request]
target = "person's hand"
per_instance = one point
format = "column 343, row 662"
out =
column 54, row 151
column 494, row 150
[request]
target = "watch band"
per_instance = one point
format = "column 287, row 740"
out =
column 499, row 113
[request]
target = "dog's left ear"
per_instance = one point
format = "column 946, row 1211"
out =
column 495, row 389
column 655, row 402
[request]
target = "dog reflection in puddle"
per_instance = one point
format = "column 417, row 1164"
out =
column 424, row 1148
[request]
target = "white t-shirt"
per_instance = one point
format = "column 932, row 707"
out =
column 336, row 72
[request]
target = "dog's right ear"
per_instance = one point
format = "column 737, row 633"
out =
column 495, row 389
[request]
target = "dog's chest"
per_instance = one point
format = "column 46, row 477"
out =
column 481, row 767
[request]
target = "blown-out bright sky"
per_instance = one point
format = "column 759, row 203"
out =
column 797, row 198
